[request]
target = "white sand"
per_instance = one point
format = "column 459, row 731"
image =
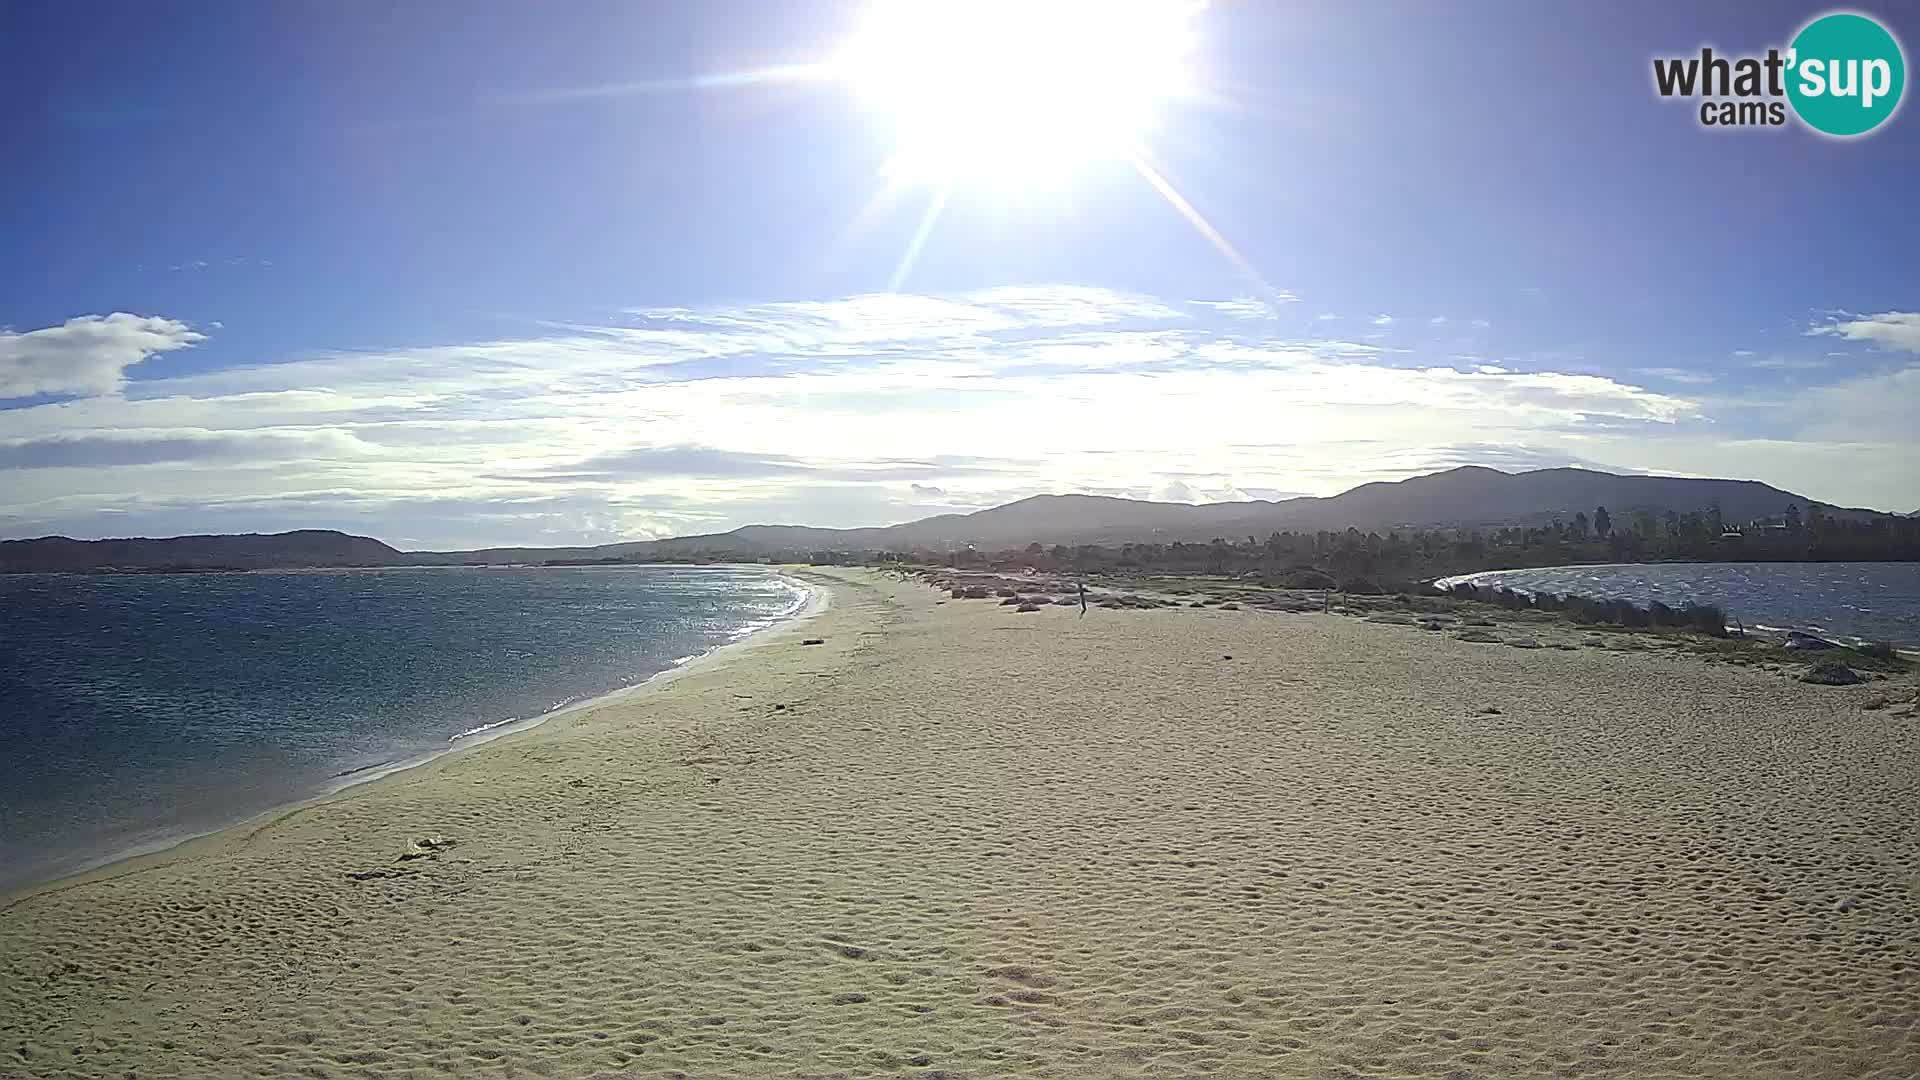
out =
column 960, row 839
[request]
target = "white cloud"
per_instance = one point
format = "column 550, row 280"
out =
column 1874, row 407
column 1194, row 489
column 1066, row 305
column 1421, row 459
column 1680, row 375
column 1251, row 308
column 128, row 448
column 1383, row 320
column 1889, row 329
column 1792, row 363
column 85, row 355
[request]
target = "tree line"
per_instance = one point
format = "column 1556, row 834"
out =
column 1373, row 561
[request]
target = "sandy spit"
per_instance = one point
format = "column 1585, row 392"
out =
column 959, row 840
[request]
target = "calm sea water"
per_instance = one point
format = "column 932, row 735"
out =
column 136, row 711
column 1863, row 601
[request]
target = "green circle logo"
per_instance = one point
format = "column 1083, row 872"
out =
column 1845, row 74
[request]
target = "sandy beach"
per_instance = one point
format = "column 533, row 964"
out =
column 955, row 839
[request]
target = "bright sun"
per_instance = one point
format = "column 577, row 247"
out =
column 1019, row 91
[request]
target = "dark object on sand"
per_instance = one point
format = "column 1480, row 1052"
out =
column 1799, row 641
column 1028, row 606
column 814, row 641
column 1832, row 673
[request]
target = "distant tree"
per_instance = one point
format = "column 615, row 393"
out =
column 1602, row 523
column 1793, row 517
column 1580, row 525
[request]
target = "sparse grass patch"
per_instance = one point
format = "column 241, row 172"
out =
column 1760, row 652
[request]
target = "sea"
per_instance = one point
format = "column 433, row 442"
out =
column 1853, row 602
column 139, row 710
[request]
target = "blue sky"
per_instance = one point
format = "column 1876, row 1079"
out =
column 477, row 273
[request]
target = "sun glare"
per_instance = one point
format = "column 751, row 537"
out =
column 1021, row 92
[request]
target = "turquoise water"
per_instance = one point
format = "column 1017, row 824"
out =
column 138, row 710
column 1856, row 601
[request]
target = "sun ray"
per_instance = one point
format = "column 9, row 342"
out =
column 726, row 80
column 1205, row 228
column 935, row 205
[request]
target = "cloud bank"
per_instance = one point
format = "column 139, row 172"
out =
column 866, row 410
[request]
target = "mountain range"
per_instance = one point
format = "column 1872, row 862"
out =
column 1467, row 497
column 250, row 551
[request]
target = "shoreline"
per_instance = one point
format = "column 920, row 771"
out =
column 817, row 600
column 956, row 836
column 1763, row 629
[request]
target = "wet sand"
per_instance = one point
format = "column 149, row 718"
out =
column 955, row 838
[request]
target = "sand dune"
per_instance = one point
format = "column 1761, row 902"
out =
column 959, row 839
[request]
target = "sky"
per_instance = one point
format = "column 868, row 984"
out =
column 478, row 273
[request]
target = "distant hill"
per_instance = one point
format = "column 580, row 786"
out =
column 252, row 551
column 1467, row 497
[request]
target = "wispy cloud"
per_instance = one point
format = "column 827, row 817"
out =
column 1687, row 376
column 1890, row 329
column 136, row 448
column 1792, row 363
column 836, row 412
column 1251, row 308
column 192, row 265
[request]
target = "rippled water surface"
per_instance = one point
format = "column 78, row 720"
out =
column 136, row 710
column 1865, row 601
